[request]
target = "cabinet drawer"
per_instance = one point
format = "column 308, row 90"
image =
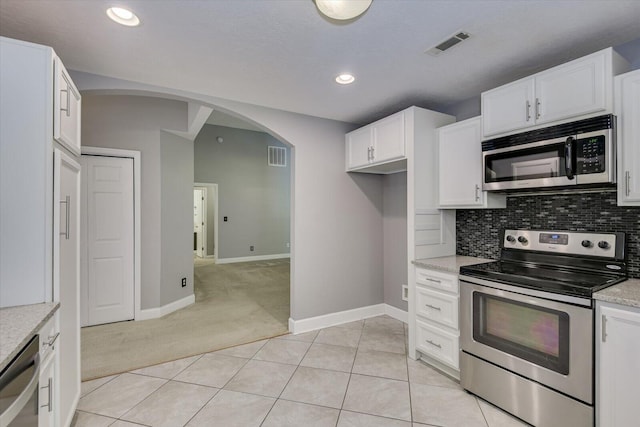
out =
column 437, row 280
column 49, row 334
column 438, row 343
column 437, row 306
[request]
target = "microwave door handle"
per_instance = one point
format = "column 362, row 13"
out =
column 568, row 157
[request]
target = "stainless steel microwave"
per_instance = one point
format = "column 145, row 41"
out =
column 580, row 153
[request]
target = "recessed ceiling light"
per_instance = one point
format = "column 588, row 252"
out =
column 345, row 79
column 123, row 16
column 342, row 9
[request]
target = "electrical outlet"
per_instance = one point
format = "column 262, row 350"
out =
column 251, row 248
column 184, row 282
column 405, row 293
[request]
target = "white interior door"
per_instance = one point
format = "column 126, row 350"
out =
column 198, row 221
column 108, row 237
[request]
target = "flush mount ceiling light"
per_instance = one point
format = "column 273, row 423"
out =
column 342, row 9
column 345, row 79
column 123, row 16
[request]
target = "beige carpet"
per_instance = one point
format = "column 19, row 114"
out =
column 235, row 304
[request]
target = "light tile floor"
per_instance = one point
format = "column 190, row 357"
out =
column 353, row 375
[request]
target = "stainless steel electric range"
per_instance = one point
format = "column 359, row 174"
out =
column 527, row 323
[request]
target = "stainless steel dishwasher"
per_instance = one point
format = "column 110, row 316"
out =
column 19, row 388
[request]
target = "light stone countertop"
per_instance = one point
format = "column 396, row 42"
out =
column 625, row 293
column 449, row 264
column 18, row 325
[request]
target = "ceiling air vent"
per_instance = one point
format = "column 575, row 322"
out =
column 455, row 39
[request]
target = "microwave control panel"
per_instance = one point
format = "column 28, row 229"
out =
column 590, row 156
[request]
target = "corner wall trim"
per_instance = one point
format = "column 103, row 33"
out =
column 340, row 317
column 154, row 313
column 251, row 258
column 396, row 313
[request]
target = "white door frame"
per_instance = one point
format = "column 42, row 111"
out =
column 204, row 226
column 214, row 197
column 135, row 155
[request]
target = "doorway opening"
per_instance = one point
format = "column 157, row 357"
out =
column 205, row 220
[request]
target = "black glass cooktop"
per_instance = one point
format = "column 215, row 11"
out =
column 556, row 279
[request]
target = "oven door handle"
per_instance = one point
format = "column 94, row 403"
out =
column 569, row 156
column 14, row 409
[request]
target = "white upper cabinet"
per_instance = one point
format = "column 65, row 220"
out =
column 460, row 168
column 508, row 107
column 379, row 147
column 67, row 109
column 580, row 87
column 628, row 112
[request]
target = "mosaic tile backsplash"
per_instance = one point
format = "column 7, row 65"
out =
column 478, row 230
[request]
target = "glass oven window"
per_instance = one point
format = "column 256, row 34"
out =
column 547, row 161
column 537, row 334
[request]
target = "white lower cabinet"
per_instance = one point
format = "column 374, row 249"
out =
column 49, row 381
column 437, row 333
column 618, row 365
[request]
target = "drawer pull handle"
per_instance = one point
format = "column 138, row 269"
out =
column 433, row 307
column 433, row 280
column 52, row 340
column 434, row 344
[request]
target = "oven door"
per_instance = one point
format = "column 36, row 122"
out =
column 19, row 388
column 546, row 341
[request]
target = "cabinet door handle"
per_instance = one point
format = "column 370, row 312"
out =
column 67, row 220
column 627, row 183
column 68, row 109
column 49, row 388
column 477, row 193
column 528, row 104
column 432, row 280
column 603, row 329
column 433, row 307
column 434, row 344
column 537, row 108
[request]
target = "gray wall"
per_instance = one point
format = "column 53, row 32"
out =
column 336, row 240
column 395, row 238
column 134, row 123
column 254, row 196
column 177, row 217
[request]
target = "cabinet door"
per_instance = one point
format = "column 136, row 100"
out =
column 388, row 137
column 618, row 372
column 47, row 392
column 67, row 110
column 628, row 112
column 508, row 107
column 460, row 164
column 576, row 88
column 66, row 269
column 359, row 143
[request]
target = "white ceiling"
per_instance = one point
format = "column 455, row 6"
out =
column 284, row 54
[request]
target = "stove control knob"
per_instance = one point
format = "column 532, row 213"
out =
column 523, row 240
column 603, row 245
column 510, row 238
column 587, row 243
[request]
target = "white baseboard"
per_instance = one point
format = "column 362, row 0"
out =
column 338, row 318
column 396, row 313
column 251, row 258
column 154, row 313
